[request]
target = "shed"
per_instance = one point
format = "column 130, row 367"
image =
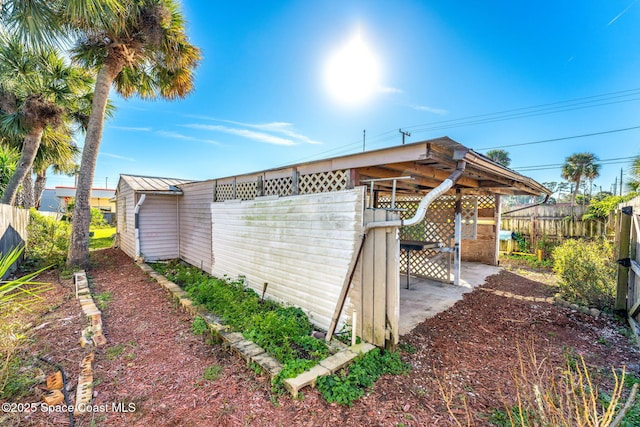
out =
column 148, row 217
column 332, row 236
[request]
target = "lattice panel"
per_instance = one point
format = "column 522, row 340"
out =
column 440, row 220
column 487, row 202
column 469, row 217
column 246, row 190
column 278, row 187
column 224, row 192
column 323, row 182
column 428, row 264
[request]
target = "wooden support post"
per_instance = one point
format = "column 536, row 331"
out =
column 235, row 186
column 624, row 234
column 215, row 188
column 393, row 284
column 497, row 227
column 295, row 179
column 457, row 240
column 260, row 186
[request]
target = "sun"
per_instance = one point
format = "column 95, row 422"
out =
column 352, row 73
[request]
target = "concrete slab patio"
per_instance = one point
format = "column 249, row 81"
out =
column 426, row 298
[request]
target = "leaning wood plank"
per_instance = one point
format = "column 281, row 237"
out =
column 345, row 289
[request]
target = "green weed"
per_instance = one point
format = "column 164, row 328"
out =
column 213, row 372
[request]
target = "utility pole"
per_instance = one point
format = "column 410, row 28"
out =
column 364, row 137
column 621, row 181
column 403, row 135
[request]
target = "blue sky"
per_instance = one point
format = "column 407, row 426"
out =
column 551, row 69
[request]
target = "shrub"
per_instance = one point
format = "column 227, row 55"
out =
column 587, row 272
column 349, row 384
column 48, row 240
column 97, row 219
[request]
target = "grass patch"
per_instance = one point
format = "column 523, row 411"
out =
column 213, row 372
column 101, row 238
column 115, row 351
column 103, row 299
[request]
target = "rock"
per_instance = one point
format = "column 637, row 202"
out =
column 583, row 309
column 574, row 307
column 594, row 312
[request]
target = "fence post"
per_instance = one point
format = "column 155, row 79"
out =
column 624, row 234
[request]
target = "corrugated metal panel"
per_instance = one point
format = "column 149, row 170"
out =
column 150, row 183
column 158, row 223
column 300, row 245
column 195, row 224
column 126, row 221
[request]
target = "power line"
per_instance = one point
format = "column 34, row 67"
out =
column 522, row 112
column 561, row 139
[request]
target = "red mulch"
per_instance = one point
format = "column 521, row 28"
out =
column 471, row 348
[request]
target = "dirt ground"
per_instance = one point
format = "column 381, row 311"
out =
column 154, row 362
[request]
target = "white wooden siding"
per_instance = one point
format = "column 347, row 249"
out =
column 158, row 223
column 300, row 245
column 195, row 224
column 126, row 222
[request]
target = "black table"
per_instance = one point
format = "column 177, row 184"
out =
column 416, row 245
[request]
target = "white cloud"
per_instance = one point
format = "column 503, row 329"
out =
column 176, row 135
column 388, row 89
column 117, row 156
column 130, row 128
column 281, row 128
column 428, row 109
column 246, row 133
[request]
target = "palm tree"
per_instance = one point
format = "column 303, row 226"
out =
column 142, row 51
column 499, row 156
column 578, row 166
column 59, row 155
column 9, row 157
column 38, row 92
column 634, row 180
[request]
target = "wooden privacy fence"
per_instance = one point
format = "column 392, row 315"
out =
column 13, row 227
column 628, row 243
column 554, row 223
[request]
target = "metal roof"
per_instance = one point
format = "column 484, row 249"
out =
column 151, row 184
column 102, row 193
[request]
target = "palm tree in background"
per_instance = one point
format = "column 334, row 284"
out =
column 578, row 166
column 60, row 156
column 500, row 157
column 634, row 180
column 38, row 91
column 138, row 46
column 142, row 51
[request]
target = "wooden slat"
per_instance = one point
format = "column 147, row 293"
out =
column 393, row 284
column 623, row 237
column 367, row 283
column 379, row 281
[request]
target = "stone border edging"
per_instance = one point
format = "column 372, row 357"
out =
column 251, row 352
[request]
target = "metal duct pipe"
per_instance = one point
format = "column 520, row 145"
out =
column 137, row 223
column 421, row 211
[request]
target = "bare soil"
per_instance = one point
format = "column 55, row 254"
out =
column 154, row 362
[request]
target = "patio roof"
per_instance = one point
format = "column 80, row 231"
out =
column 428, row 163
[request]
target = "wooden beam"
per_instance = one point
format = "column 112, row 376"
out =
column 385, row 172
column 430, row 172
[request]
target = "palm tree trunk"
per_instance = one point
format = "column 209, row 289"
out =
column 78, row 255
column 38, row 188
column 575, row 192
column 27, row 190
column 27, row 155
